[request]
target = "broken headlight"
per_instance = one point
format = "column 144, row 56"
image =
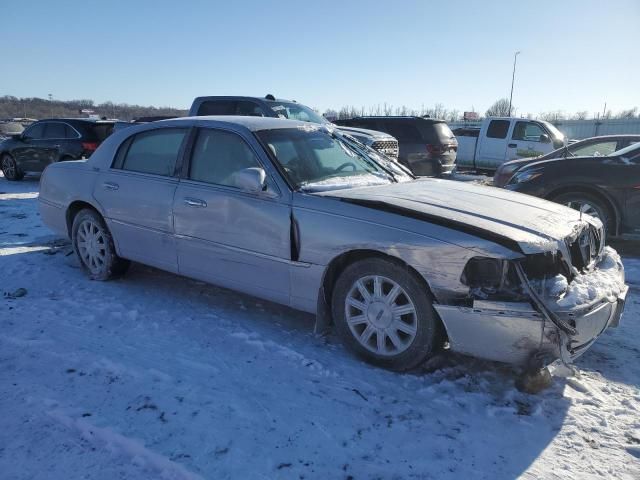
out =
column 484, row 272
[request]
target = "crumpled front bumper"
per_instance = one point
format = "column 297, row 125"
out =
column 517, row 332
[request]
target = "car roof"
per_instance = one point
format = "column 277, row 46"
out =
column 398, row 117
column 251, row 123
column 240, row 97
column 76, row 120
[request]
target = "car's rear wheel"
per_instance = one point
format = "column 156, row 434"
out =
column 589, row 204
column 383, row 313
column 10, row 168
column 94, row 247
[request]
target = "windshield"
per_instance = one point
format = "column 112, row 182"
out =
column 295, row 111
column 631, row 149
column 315, row 159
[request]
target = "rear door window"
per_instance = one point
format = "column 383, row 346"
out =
column 403, row 130
column 55, row 131
column 154, row 152
column 436, row 132
column 217, row 107
column 498, row 129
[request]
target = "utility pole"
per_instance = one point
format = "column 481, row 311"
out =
column 513, row 77
column 51, row 105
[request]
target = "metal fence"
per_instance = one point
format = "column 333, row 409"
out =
column 579, row 129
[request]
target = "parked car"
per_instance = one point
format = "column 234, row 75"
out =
column 499, row 140
column 267, row 207
column 590, row 147
column 427, row 145
column 269, row 106
column 605, row 187
column 48, row 141
column 9, row 129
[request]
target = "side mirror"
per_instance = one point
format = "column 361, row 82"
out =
column 252, row 180
column 544, row 138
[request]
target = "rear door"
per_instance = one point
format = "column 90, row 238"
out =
column 528, row 140
column 225, row 235
column 493, row 141
column 136, row 195
column 55, row 137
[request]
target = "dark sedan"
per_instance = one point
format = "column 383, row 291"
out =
column 49, row 141
column 606, row 187
column 589, row 147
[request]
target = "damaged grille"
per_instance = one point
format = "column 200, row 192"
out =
column 388, row 147
column 586, row 248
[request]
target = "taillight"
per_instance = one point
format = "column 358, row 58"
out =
column 89, row 146
column 437, row 149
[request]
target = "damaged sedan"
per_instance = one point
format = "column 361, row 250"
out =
column 308, row 217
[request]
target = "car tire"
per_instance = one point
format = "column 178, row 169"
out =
column 391, row 325
column 94, row 247
column 10, row 168
column 594, row 207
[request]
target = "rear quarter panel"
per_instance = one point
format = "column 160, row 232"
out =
column 62, row 184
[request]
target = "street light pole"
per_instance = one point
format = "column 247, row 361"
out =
column 513, row 77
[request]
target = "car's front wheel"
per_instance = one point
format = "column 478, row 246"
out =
column 384, row 314
column 94, row 247
column 10, row 168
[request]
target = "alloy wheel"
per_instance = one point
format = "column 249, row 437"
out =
column 381, row 315
column 92, row 246
column 8, row 167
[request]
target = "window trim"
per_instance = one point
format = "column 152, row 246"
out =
column 127, row 142
column 188, row 156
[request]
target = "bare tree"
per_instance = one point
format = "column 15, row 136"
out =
column 582, row 115
column 500, row 108
column 629, row 113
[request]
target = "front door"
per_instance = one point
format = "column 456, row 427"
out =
column 28, row 154
column 136, row 195
column 528, row 140
column 227, row 236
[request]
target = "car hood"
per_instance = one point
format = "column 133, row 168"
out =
column 532, row 224
column 369, row 133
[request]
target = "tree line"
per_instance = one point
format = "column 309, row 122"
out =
column 14, row 107
column 500, row 108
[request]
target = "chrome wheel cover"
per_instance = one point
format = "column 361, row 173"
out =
column 381, row 315
column 8, row 167
column 92, row 245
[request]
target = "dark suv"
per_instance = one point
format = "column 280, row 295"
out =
column 49, row 141
column 269, row 106
column 427, row 145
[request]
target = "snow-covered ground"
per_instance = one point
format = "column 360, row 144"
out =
column 157, row 376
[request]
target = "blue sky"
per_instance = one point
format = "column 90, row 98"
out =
column 575, row 54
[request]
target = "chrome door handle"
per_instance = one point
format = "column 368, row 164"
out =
column 111, row 186
column 195, row 202
column 57, row 146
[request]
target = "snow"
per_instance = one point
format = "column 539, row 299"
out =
column 158, row 376
column 605, row 282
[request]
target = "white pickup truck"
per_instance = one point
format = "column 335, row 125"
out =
column 499, row 140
